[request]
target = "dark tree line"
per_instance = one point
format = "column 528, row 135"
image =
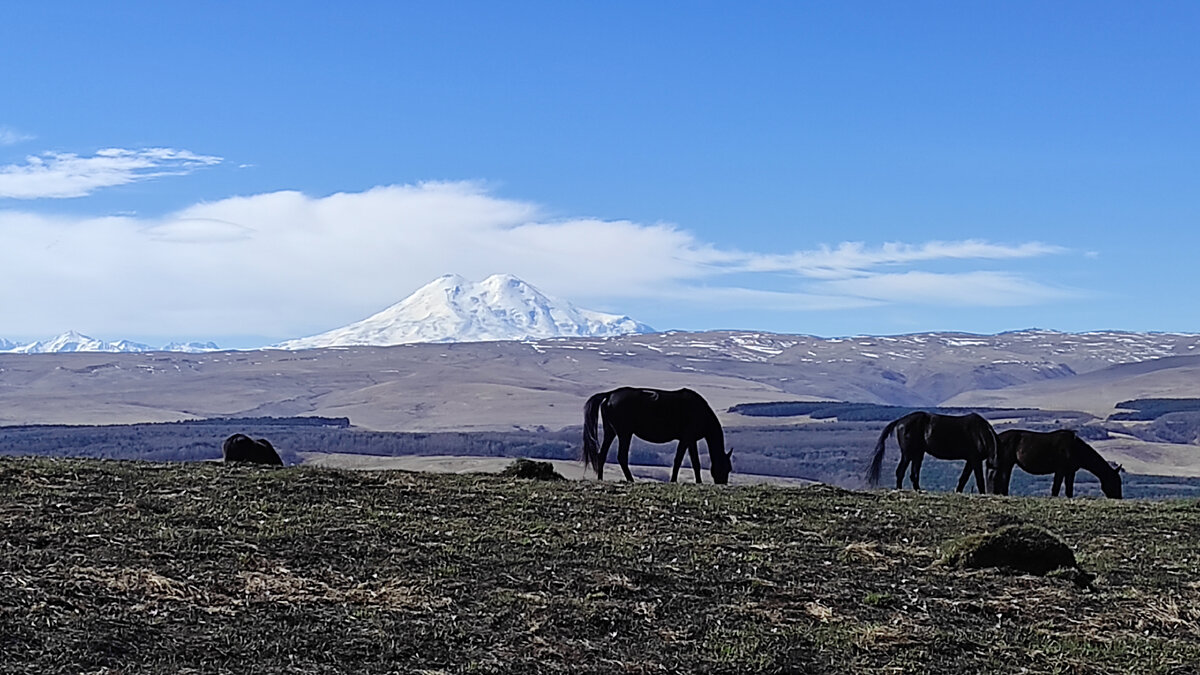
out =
column 1145, row 409
column 845, row 411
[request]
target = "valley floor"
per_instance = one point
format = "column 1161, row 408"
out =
column 208, row 568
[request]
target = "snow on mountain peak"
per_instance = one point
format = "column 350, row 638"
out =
column 453, row 309
column 74, row 341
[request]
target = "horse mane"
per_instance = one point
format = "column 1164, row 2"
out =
column 715, row 438
column 1091, row 460
column 714, row 434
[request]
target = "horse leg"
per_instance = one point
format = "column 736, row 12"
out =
column 900, row 469
column 1070, row 481
column 1058, row 479
column 694, row 454
column 914, row 474
column 623, row 455
column 980, row 483
column 1001, row 481
column 608, row 439
column 678, row 460
column 992, row 477
column 962, row 480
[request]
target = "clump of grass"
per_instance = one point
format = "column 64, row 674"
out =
column 879, row 599
column 532, row 469
column 1026, row 548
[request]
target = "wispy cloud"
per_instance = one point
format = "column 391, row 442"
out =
column 61, row 175
column 966, row 289
column 852, row 259
column 286, row 264
column 10, row 136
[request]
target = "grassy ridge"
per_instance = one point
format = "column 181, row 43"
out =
column 138, row 567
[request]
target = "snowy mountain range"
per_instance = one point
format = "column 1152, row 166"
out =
column 505, row 308
column 72, row 341
column 453, row 309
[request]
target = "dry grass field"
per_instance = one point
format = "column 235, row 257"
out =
column 130, row 567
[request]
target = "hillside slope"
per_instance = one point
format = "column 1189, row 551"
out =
column 128, row 567
column 501, row 385
column 1099, row 391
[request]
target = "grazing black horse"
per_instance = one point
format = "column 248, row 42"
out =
column 656, row 416
column 242, row 448
column 968, row 437
column 1061, row 453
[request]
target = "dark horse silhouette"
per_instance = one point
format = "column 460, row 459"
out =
column 968, row 437
column 242, row 448
column 1061, row 453
column 656, row 416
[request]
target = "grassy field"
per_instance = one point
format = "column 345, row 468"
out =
column 126, row 567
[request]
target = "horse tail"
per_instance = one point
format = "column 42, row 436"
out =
column 591, row 440
column 877, row 458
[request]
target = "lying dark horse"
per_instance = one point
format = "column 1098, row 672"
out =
column 968, row 437
column 242, row 448
column 656, row 416
column 1061, row 453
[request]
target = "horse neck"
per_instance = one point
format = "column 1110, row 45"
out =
column 1089, row 459
column 714, row 436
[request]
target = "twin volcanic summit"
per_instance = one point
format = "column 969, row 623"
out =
column 452, row 309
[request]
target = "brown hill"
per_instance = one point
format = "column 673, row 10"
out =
column 499, row 385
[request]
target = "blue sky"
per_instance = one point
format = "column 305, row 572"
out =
column 255, row 173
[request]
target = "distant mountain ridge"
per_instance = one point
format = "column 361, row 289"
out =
column 531, row 383
column 73, row 341
column 453, row 309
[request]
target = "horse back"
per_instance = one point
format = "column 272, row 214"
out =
column 658, row 415
column 242, row 448
column 1041, row 452
column 957, row 436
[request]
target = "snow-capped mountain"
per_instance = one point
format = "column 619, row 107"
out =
column 193, row 347
column 72, row 341
column 452, row 309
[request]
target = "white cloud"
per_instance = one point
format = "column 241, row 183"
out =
column 851, row 259
column 10, row 136
column 198, row 230
column 285, row 264
column 61, row 175
column 967, row 289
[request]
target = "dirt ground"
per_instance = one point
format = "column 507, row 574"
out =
column 126, row 567
column 569, row 470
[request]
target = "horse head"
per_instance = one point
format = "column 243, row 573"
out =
column 1111, row 485
column 720, row 466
